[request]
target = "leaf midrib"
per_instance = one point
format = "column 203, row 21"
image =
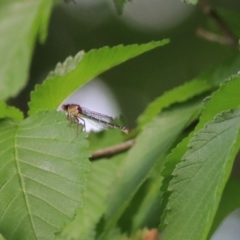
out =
column 22, row 185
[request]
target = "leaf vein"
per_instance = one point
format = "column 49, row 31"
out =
column 54, row 190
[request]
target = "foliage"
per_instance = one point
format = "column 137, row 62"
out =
column 32, row 18
column 175, row 180
column 68, row 81
column 119, row 5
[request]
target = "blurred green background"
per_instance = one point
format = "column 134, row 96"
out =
column 89, row 24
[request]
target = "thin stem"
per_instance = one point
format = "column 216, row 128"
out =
column 229, row 36
column 112, row 150
column 212, row 37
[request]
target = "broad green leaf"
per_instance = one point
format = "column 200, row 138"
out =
column 10, row 112
column 43, row 18
column 179, row 94
column 151, row 144
column 149, row 210
column 20, row 22
column 223, row 71
column 104, row 139
column 116, row 235
column 226, row 97
column 144, row 208
column 42, row 175
column 58, row 87
column 204, row 82
column 67, row 66
column 231, row 17
column 95, row 197
column 230, row 201
column 200, row 178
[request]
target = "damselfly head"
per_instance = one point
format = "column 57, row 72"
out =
column 68, row 106
column 72, row 109
column 65, row 107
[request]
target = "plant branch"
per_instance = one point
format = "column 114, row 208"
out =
column 212, row 37
column 229, row 37
column 112, row 151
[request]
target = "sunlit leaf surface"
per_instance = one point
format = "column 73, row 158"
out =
column 59, row 85
column 151, row 144
column 20, row 22
column 42, row 175
column 200, row 178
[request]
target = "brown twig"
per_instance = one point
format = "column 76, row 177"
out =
column 229, row 37
column 212, row 37
column 112, row 151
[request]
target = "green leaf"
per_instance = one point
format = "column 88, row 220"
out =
column 105, row 139
column 204, row 82
column 231, row 17
column 179, row 94
column 2, row 238
column 99, row 179
column 95, row 196
column 217, row 103
column 58, row 87
column 119, row 5
column 19, row 20
column 42, row 175
column 116, row 235
column 223, row 71
column 10, row 112
column 43, row 18
column 230, row 201
column 149, row 210
column 144, row 208
column 200, row 178
column 67, row 66
column 194, row 2
column 154, row 141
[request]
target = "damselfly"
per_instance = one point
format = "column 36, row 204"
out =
column 76, row 113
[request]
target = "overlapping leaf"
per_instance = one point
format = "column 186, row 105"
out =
column 205, row 82
column 10, row 112
column 42, row 175
column 216, row 104
column 119, row 4
column 150, row 209
column 58, row 87
column 179, row 94
column 20, row 22
column 151, row 144
column 95, row 197
column 200, row 178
